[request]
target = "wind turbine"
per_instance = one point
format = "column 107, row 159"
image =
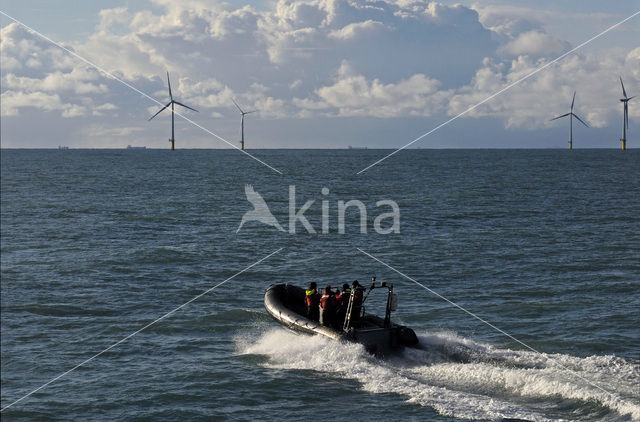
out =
column 242, row 112
column 571, row 115
column 625, row 120
column 171, row 103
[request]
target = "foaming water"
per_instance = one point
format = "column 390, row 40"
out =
column 464, row 379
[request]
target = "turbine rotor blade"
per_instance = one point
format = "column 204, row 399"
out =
column 234, row 101
column 161, row 110
column 169, row 83
column 249, row 112
column 574, row 100
column 185, row 106
column 564, row 115
column 574, row 115
column 623, row 91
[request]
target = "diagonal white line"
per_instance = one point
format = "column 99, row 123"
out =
column 499, row 92
column 487, row 323
column 139, row 330
column 110, row 75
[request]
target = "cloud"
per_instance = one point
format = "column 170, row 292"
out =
column 74, row 81
column 314, row 59
column 358, row 29
column 352, row 94
column 632, row 62
column 17, row 44
column 112, row 17
column 13, row 101
column 507, row 21
column 313, row 37
column 102, row 132
column 73, row 110
column 534, row 101
column 99, row 110
column 41, row 76
column 535, row 43
column 296, row 45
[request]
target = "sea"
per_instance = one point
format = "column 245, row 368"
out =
column 128, row 292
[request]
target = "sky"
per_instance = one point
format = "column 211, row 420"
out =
column 319, row 73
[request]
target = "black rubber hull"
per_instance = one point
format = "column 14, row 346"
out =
column 285, row 303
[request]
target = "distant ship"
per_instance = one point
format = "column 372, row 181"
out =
column 131, row 147
column 350, row 147
column 63, row 147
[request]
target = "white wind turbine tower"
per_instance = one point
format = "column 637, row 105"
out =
column 625, row 119
column 571, row 115
column 171, row 103
column 242, row 112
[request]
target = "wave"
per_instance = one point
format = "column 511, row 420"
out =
column 465, row 379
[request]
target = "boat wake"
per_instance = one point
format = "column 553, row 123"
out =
column 465, row 379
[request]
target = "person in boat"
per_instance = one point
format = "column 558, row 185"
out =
column 357, row 300
column 342, row 298
column 342, row 301
column 312, row 301
column 327, row 307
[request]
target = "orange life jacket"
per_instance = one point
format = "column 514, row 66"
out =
column 327, row 302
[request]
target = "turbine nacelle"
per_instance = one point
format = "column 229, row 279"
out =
column 241, row 110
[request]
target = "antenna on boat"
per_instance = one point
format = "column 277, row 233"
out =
column 243, row 113
column 571, row 115
column 625, row 118
column 171, row 103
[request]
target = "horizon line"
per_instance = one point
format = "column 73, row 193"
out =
column 354, row 148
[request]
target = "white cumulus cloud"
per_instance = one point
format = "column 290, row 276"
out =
column 315, row 59
column 535, row 43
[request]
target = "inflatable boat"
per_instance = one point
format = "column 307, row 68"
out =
column 286, row 304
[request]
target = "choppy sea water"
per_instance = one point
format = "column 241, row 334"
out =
column 544, row 244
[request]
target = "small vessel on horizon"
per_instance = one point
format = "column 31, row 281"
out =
column 133, row 147
column 286, row 304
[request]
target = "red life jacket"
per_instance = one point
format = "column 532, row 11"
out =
column 343, row 298
column 311, row 298
column 327, row 302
